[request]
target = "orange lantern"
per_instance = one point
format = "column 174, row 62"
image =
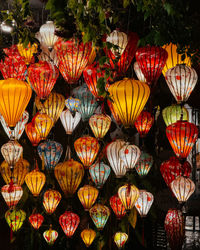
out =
column 43, row 125
column 88, row 235
column 113, row 112
column 27, row 53
column 69, row 222
column 51, row 200
column 87, row 196
column 128, row 195
column 32, row 134
column 36, row 220
column 117, row 206
column 144, row 123
column 100, row 124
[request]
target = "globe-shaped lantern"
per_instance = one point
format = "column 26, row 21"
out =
column 27, row 52
column 99, row 124
column 32, row 134
column 88, row 235
column 15, row 218
column 128, row 195
column 120, row 239
column 138, row 72
column 50, row 236
column 144, row 164
column 70, row 121
column 129, row 98
column 99, row 214
column 144, row 123
column 36, row 220
column 117, row 206
column 51, row 200
column 43, row 124
column 130, row 155
column 113, row 112
column 47, row 36
column 144, row 202
column 72, row 104
column 174, row 113
column 15, row 96
column 87, row 196
column 69, row 222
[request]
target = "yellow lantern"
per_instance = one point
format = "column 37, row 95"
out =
column 50, row 236
column 120, row 239
column 100, row 124
column 87, row 196
column 15, row 96
column 88, row 235
column 27, row 53
column 128, row 195
column 43, row 125
column 129, row 98
column 51, row 200
column 15, row 218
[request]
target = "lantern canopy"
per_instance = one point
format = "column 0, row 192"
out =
column 99, row 214
column 69, row 222
column 15, row 218
column 32, row 134
column 117, row 206
column 27, row 52
column 144, row 164
column 129, row 154
column 120, row 239
column 128, row 195
column 87, row 196
column 99, row 124
column 72, row 104
column 174, row 113
column 47, row 36
column 51, row 200
column 144, row 202
column 43, row 125
column 70, row 121
column 12, row 193
column 88, row 235
column 138, row 72
column 36, row 220
column 50, row 236
column 144, row 123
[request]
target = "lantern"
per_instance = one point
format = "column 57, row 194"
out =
column 51, row 200
column 27, row 53
column 144, row 164
column 69, row 175
column 113, row 112
column 11, row 193
column 117, row 206
column 129, row 98
column 120, row 239
column 50, row 152
column 47, row 35
column 50, row 236
column 144, row 202
column 48, row 56
column 129, row 154
column 182, row 188
column 36, row 220
column 144, row 123
column 32, row 134
column 73, row 55
column 15, row 218
column 87, row 196
column 11, row 51
column 181, row 81
column 87, row 148
column 99, row 214
column 174, row 113
column 42, row 76
column 15, row 96
column 69, row 222
column 99, row 124
column 138, row 72
column 99, row 173
column 70, row 121
column 43, row 125
column 182, row 136
column 174, row 227
column 151, row 60
column 128, row 195
column 112, row 152
column 72, row 104
column 88, row 235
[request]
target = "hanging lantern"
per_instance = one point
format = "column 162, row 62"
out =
column 12, row 193
column 72, row 104
column 15, row 96
column 51, row 152
column 69, row 222
column 129, row 98
column 130, row 155
column 48, row 38
column 144, row 123
column 144, row 164
column 50, row 236
column 181, row 81
column 128, row 195
column 87, row 196
column 70, row 121
column 43, row 125
column 113, row 112
column 182, row 136
column 144, row 202
column 120, row 239
column 88, row 235
column 36, row 220
column 112, row 152
column 32, row 134
column 48, row 56
column 138, row 72
column 99, row 124
column 87, row 148
column 15, row 218
column 69, row 175
column 51, row 200
column 99, row 173
column 27, row 53
column 151, row 60
column 99, row 214
column 117, row 206
column 173, row 113
column 73, row 55
column 11, row 51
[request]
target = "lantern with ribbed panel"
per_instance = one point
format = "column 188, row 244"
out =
column 32, row 134
column 144, row 164
column 36, row 220
column 174, row 113
column 27, row 52
column 117, row 206
column 72, row 104
column 128, row 195
column 120, row 239
column 51, row 200
column 129, row 154
column 144, row 123
column 47, row 34
column 50, row 236
column 70, row 121
column 144, row 202
column 87, row 196
column 69, row 222
column 99, row 124
column 99, row 214
column 15, row 219
column 138, row 72
column 88, row 235
column 43, row 124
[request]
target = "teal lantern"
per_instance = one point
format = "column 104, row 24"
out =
column 144, row 164
column 174, row 113
column 99, row 214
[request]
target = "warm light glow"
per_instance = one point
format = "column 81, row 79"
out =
column 12, row 193
column 113, row 112
column 50, row 236
column 99, row 214
column 70, row 121
column 15, row 218
column 138, row 72
column 27, row 53
column 43, row 125
column 144, row 202
column 69, row 222
column 51, row 200
column 99, row 124
column 87, row 196
column 120, row 239
column 117, row 206
column 129, row 154
column 173, row 113
column 36, row 220
column 32, row 134
column 144, row 164
column 128, row 195
column 72, row 104
column 47, row 36
column 88, row 235
column 144, row 123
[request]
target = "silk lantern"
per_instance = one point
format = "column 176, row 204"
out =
column 69, row 222
column 113, row 112
column 15, row 219
column 47, row 35
column 99, row 214
column 174, row 113
column 43, row 124
column 138, row 72
column 27, row 52
column 32, row 134
column 144, row 123
column 48, row 56
column 51, row 199
column 128, row 195
column 99, row 124
column 117, row 206
column 72, row 104
column 144, row 202
column 70, row 121
column 87, row 196
column 88, row 235
column 144, row 164
column 36, row 220
column 12, row 193
column 120, row 239
column 129, row 154
column 11, row 51
column 50, row 236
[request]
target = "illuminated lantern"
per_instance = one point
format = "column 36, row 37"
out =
column 51, row 200
column 138, row 72
column 88, row 235
column 182, row 135
column 151, row 60
column 99, row 173
column 128, row 195
column 42, row 76
column 50, row 236
column 69, row 175
column 72, row 104
column 129, row 98
column 172, row 168
column 112, row 152
column 173, row 113
column 117, row 206
column 99, row 214
column 11, row 51
column 181, row 81
column 113, row 112
column 120, row 239
column 87, row 148
column 99, row 124
column 70, row 121
column 129, row 154
column 15, row 218
column 69, row 222
column 15, row 96
column 87, row 196
column 175, row 228
column 144, row 164
column 73, row 55
column 92, row 56
column 47, row 35
column 144, row 123
column 32, row 134
column 51, row 152
column 36, row 220
column 43, row 125
column 182, row 188
column 27, row 53
column 48, row 56
column 144, row 202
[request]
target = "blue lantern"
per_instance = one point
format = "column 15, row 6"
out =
column 72, row 104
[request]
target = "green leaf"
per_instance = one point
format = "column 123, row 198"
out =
column 126, row 3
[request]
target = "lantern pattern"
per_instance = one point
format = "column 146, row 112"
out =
column 99, row 214
column 144, row 202
column 69, row 222
column 51, row 200
column 129, row 98
column 70, row 121
column 117, row 206
column 144, row 164
column 113, row 112
column 43, row 125
column 50, row 236
column 88, row 235
column 144, row 123
column 47, row 36
column 87, row 196
column 11, row 51
column 72, row 104
column 174, row 113
column 33, row 135
column 128, row 195
column 129, row 154
column 12, row 193
column 48, row 56
column 120, row 239
column 182, row 136
column 138, row 72
column 27, row 53
column 15, row 219
column 36, row 220
column 99, row 124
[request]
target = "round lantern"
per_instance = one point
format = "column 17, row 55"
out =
column 144, row 123
column 43, row 125
column 129, row 154
column 99, row 124
column 51, row 200
column 113, row 112
column 69, row 175
column 72, row 104
column 138, row 72
column 11, row 193
column 144, row 202
column 15, row 218
column 36, row 220
column 70, row 121
column 15, row 96
column 181, row 81
column 174, row 113
column 129, row 98
column 120, row 239
column 11, row 51
column 144, row 164
column 117, row 206
column 87, row 196
column 27, row 53
column 50, row 236
column 128, row 195
column 47, row 35
column 99, row 214
column 32, row 134
column 88, row 235
column 69, row 222
column 182, row 135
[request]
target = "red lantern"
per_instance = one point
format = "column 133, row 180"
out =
column 69, row 222
column 117, row 206
column 113, row 112
column 36, row 220
column 144, row 123
column 32, row 134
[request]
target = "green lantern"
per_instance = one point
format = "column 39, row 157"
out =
column 173, row 113
column 15, row 219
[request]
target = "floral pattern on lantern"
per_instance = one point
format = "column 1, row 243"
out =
column 32, row 134
column 27, row 53
column 70, row 121
column 36, row 220
column 69, row 222
column 12, row 193
column 144, row 202
column 128, row 195
column 144, row 123
column 99, row 124
column 99, row 214
column 144, row 164
column 129, row 154
column 50, row 236
column 88, row 235
column 87, row 196
column 120, row 239
column 117, row 206
column 51, row 200
column 72, row 104
column 15, row 219
column 43, row 125
column 138, row 72
column 174, row 113
column 47, row 36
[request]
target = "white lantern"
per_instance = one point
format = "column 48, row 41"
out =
column 129, row 154
column 119, row 39
column 138, row 72
column 48, row 56
column 11, row 193
column 47, row 35
column 69, row 121
column 144, row 202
